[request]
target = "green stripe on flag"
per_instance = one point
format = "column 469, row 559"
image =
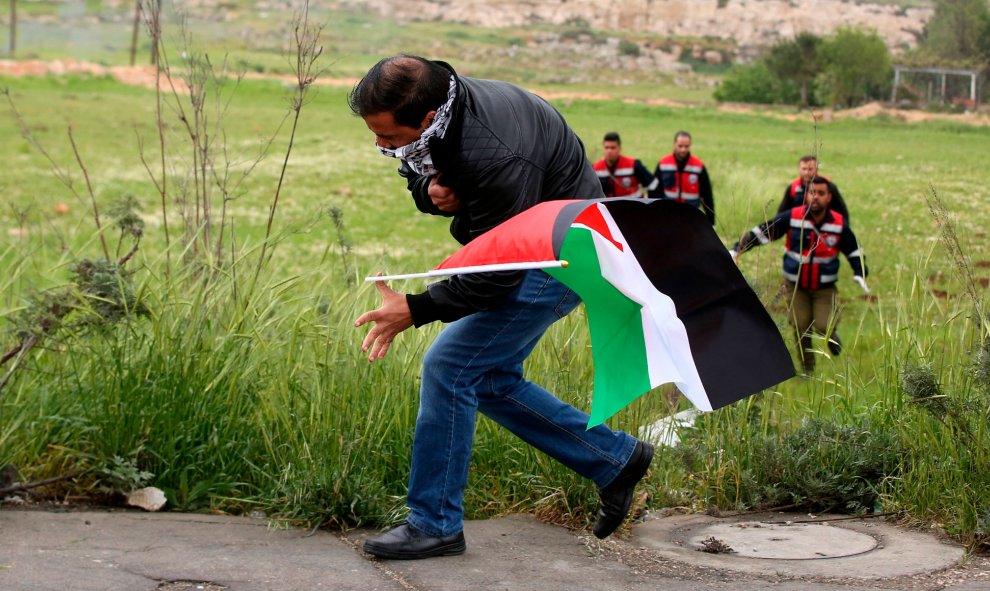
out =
column 618, row 345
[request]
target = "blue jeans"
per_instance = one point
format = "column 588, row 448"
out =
column 476, row 363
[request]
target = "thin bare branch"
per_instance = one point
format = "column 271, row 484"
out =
column 61, row 174
column 17, row 354
column 154, row 24
column 134, row 248
column 92, row 196
column 12, row 352
column 29, row 485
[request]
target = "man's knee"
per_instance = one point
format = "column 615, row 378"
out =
column 498, row 384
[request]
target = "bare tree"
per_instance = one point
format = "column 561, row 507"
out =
column 156, row 11
column 134, row 31
column 13, row 27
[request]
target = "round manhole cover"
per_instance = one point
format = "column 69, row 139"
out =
column 780, row 541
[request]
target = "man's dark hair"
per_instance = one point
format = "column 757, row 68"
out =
column 820, row 180
column 808, row 158
column 682, row 134
column 407, row 86
column 612, row 136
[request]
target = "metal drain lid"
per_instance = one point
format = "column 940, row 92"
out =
column 781, row 541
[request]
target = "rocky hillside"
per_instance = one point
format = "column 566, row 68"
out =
column 751, row 24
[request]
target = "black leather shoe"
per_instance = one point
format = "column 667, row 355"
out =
column 618, row 495
column 406, row 543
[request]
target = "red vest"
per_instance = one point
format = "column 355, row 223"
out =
column 796, row 191
column 683, row 186
column 812, row 256
column 624, row 181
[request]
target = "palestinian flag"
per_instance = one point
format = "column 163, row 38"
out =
column 664, row 300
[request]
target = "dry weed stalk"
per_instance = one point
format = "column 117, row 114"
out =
column 950, row 240
column 306, row 42
column 154, row 25
column 63, row 175
column 199, row 97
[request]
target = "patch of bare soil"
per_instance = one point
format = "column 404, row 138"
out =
column 145, row 76
column 866, row 111
column 906, row 115
column 132, row 75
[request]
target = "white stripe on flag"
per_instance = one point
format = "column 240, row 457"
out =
column 668, row 349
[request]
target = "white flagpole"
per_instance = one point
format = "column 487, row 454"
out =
column 473, row 269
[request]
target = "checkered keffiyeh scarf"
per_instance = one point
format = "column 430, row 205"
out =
column 417, row 154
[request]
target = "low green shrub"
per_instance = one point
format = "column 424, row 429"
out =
column 751, row 83
column 821, row 466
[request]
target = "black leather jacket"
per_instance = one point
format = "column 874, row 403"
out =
column 505, row 150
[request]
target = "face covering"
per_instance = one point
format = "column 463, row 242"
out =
column 417, row 154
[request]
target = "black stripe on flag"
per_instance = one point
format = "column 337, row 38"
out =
column 736, row 346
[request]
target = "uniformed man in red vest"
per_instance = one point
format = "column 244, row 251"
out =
column 794, row 193
column 816, row 234
column 683, row 177
column 622, row 176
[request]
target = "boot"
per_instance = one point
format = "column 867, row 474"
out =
column 834, row 344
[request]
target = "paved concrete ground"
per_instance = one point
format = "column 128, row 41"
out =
column 133, row 551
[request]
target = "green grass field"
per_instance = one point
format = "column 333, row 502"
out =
column 239, row 395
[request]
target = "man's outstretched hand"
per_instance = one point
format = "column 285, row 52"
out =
column 392, row 318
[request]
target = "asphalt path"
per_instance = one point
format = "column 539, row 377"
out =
column 137, row 551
